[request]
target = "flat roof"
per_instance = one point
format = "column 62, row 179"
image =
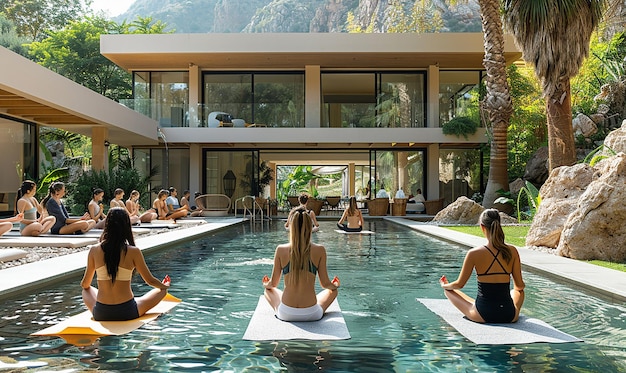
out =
column 296, row 50
column 31, row 92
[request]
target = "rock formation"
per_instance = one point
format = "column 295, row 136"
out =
column 464, row 211
column 559, row 196
column 616, row 140
column 536, row 170
column 596, row 229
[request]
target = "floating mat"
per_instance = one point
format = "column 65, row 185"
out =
column 265, row 326
column 83, row 330
column 361, row 232
column 525, row 330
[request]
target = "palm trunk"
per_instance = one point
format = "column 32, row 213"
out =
column 497, row 102
column 561, row 145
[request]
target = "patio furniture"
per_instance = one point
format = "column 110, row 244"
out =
column 378, row 207
column 213, row 204
column 433, row 206
column 398, row 207
column 293, row 201
column 333, row 202
column 315, row 205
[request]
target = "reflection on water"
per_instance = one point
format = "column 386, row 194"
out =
column 219, row 279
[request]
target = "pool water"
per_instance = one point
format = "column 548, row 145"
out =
column 219, row 279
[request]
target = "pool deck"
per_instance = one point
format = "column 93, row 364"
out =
column 604, row 282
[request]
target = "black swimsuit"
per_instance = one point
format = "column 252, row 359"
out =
column 493, row 300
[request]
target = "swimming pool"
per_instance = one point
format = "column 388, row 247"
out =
column 219, row 279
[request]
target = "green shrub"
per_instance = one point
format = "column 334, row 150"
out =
column 460, row 126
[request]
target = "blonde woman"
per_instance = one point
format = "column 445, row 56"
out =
column 300, row 261
column 27, row 204
column 162, row 210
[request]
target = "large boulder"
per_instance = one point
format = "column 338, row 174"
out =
column 559, row 196
column 616, row 140
column 596, row 229
column 461, row 211
column 583, row 125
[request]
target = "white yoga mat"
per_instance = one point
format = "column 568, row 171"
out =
column 265, row 326
column 361, row 232
column 525, row 330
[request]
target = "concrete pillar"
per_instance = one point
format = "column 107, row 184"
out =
column 273, row 183
column 432, row 92
column 432, row 183
column 99, row 152
column 351, row 178
column 313, row 98
column 195, row 92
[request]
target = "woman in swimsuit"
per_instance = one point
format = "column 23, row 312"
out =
column 112, row 262
column 495, row 264
column 27, row 204
column 132, row 205
column 64, row 224
column 300, row 261
column 303, row 199
column 353, row 216
column 118, row 201
column 96, row 209
column 162, row 210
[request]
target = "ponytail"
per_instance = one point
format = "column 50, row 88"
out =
column 53, row 189
column 490, row 219
column 301, row 227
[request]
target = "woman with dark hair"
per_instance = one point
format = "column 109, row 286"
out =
column 495, row 264
column 96, row 209
column 64, row 224
column 300, row 261
column 303, row 199
column 353, row 217
column 163, row 212
column 27, row 204
column 113, row 262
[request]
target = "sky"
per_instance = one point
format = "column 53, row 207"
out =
column 111, row 7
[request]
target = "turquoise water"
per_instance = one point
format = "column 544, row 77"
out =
column 219, row 279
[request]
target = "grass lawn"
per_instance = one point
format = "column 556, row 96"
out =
column 516, row 235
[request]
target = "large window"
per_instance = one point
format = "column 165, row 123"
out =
column 167, row 167
column 230, row 172
column 19, row 160
column 459, row 95
column 390, row 99
column 459, row 173
column 263, row 99
column 163, row 96
column 397, row 169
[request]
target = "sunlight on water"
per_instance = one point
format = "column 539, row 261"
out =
column 219, row 280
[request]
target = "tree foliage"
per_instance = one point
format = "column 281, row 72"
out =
column 10, row 39
column 33, row 18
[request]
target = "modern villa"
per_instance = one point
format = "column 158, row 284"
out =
column 369, row 105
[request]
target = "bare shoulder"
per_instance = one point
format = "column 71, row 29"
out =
column 317, row 247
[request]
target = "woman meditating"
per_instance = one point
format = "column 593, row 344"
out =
column 353, row 216
column 303, row 199
column 495, row 264
column 300, row 261
column 64, row 224
column 96, row 209
column 162, row 210
column 34, row 222
column 134, row 209
column 113, row 261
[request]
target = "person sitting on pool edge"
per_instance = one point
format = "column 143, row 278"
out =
column 353, row 217
column 113, row 261
column 303, row 199
column 495, row 264
column 300, row 261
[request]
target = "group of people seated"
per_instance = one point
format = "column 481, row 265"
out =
column 51, row 215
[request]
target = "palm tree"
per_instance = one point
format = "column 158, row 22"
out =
column 554, row 37
column 497, row 103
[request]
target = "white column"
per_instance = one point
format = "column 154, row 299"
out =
column 432, row 181
column 313, row 98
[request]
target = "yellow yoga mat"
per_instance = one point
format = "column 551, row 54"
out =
column 83, row 330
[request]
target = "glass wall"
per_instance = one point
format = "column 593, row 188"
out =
column 18, row 161
column 395, row 169
column 218, row 180
column 169, row 167
column 460, row 173
column 390, row 99
column 163, row 96
column 263, row 99
column 459, row 95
